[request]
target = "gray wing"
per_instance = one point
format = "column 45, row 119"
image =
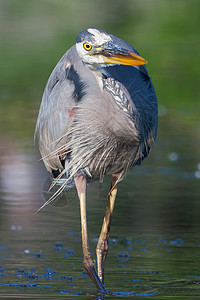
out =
column 141, row 90
column 54, row 119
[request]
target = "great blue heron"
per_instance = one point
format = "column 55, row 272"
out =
column 98, row 116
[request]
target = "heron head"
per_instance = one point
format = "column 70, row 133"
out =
column 98, row 49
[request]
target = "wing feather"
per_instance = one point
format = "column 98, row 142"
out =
column 53, row 120
column 141, row 90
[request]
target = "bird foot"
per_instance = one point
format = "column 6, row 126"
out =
column 90, row 269
column 101, row 251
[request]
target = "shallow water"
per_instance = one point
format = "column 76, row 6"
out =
column 155, row 241
column 154, row 244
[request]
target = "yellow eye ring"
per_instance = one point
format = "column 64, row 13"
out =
column 87, row 46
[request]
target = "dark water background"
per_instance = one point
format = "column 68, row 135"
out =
column 155, row 241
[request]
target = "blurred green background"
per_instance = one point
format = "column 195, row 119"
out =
column 35, row 34
column 159, row 199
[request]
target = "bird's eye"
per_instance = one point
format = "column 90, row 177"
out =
column 87, row 46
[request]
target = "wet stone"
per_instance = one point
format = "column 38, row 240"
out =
column 123, row 256
column 162, row 241
column 137, row 279
column 143, row 250
column 67, row 278
column 113, row 241
column 4, row 248
column 32, row 276
column 177, row 242
column 58, row 247
column 168, row 250
column 21, row 271
column 37, row 255
column 68, row 253
column 2, row 270
column 26, row 251
column 173, row 156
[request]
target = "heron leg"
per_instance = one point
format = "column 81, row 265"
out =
column 88, row 262
column 102, row 245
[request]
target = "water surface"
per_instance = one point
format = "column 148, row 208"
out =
column 154, row 244
column 155, row 241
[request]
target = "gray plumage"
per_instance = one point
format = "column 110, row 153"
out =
column 98, row 122
column 98, row 116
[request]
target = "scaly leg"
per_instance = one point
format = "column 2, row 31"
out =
column 88, row 262
column 102, row 245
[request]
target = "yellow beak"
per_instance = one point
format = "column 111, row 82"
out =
column 130, row 59
column 120, row 56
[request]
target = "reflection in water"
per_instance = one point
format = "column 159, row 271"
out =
column 16, row 177
column 154, row 245
column 49, row 189
column 18, row 186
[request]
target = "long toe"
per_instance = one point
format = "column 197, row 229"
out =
column 92, row 273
